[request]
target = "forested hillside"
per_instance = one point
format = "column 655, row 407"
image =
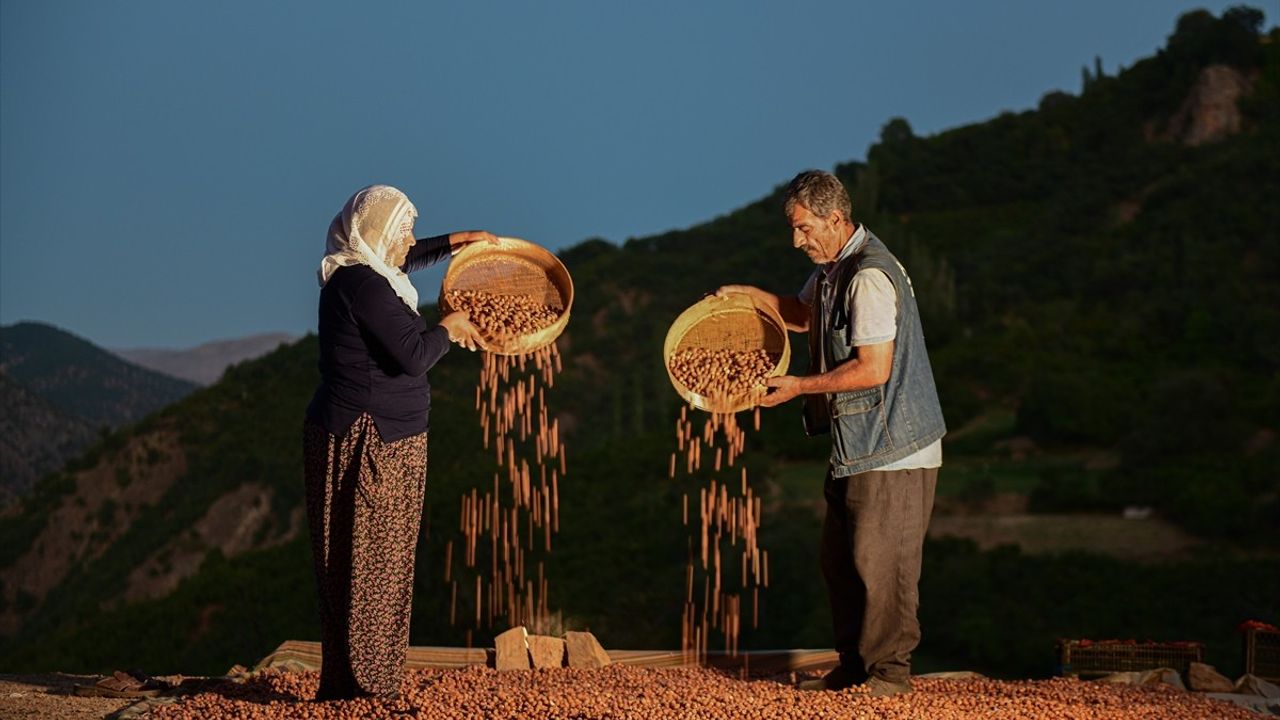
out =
column 1100, row 284
column 1117, row 271
column 35, row 437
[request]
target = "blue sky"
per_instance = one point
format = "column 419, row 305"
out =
column 168, row 169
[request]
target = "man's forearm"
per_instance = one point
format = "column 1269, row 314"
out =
column 794, row 314
column 850, row 375
column 869, row 367
column 764, row 297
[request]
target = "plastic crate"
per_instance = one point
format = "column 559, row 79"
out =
column 1262, row 653
column 1103, row 657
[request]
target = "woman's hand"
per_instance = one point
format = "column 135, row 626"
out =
column 461, row 331
column 463, row 238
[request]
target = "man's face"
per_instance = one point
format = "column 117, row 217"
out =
column 819, row 237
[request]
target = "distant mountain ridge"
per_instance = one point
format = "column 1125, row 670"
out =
column 58, row 390
column 205, row 363
column 82, row 379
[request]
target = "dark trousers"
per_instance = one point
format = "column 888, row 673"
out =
column 872, row 540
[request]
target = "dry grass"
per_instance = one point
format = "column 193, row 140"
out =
column 1140, row 540
column 49, row 696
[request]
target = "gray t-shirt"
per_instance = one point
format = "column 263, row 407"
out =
column 872, row 305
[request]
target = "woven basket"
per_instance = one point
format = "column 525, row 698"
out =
column 512, row 267
column 733, row 322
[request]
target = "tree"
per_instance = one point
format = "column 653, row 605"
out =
column 1247, row 18
column 896, row 132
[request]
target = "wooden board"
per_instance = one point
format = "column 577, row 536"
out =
column 304, row 655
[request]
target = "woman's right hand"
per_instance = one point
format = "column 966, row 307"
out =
column 461, row 331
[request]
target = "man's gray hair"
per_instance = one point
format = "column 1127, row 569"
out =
column 820, row 192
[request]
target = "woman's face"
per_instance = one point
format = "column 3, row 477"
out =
column 399, row 252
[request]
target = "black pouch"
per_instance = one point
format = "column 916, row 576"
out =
column 817, row 415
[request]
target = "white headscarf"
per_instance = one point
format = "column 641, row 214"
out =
column 367, row 230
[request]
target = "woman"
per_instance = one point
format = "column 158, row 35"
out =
column 365, row 436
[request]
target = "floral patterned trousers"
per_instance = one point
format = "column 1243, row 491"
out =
column 364, row 508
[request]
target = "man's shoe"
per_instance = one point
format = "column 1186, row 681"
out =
column 878, row 687
column 839, row 678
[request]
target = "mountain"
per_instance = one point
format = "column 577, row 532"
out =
column 82, row 379
column 1100, row 285
column 35, row 438
column 204, row 364
column 57, row 391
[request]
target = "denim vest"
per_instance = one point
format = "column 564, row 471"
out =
column 876, row 426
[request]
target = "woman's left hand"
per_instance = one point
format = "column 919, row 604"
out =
column 461, row 239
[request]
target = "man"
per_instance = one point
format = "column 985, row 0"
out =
column 870, row 380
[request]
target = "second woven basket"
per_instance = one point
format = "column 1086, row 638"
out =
column 733, row 322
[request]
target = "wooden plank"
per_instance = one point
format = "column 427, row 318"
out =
column 305, row 655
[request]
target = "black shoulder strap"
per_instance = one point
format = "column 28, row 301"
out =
column 840, row 320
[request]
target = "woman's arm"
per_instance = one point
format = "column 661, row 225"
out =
column 429, row 251
column 380, row 311
column 426, row 252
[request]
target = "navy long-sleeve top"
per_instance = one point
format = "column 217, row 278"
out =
column 375, row 352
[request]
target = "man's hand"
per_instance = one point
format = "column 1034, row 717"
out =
column 726, row 290
column 783, row 389
column 461, row 331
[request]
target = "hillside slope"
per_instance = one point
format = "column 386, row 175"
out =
column 35, row 437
